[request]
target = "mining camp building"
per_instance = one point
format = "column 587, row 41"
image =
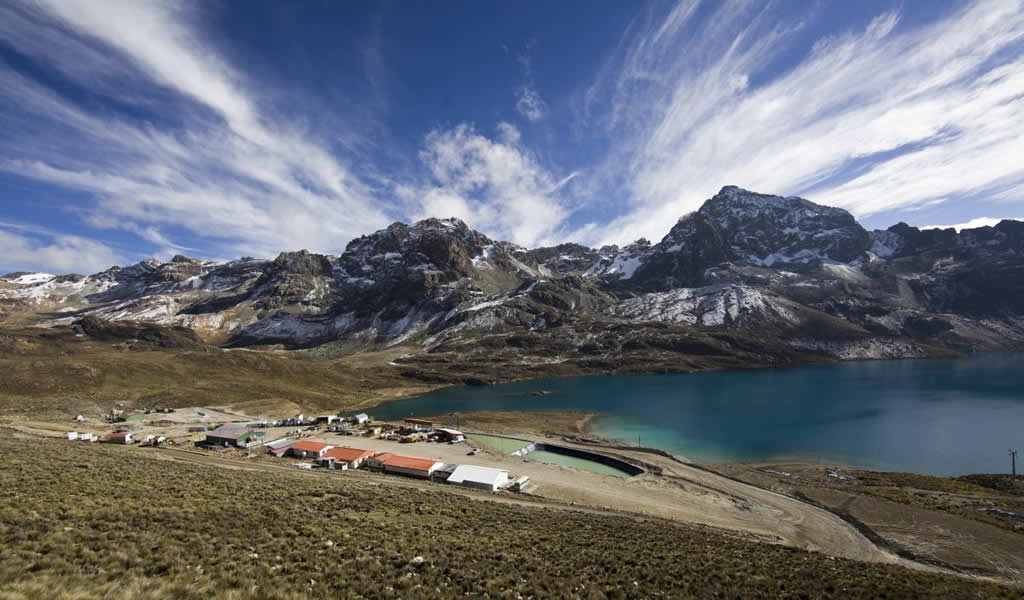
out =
column 404, row 465
column 239, row 436
column 483, row 478
column 308, row 449
column 350, row 458
column 450, row 435
column 119, row 437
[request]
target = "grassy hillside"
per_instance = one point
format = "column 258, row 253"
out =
column 82, row 521
column 56, row 373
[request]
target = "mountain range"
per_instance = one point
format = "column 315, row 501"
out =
column 749, row 278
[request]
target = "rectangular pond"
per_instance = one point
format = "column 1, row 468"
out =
column 507, row 445
column 577, row 463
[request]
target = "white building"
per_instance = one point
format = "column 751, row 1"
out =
column 483, row 478
column 72, row 435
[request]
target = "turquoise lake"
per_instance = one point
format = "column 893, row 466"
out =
column 944, row 417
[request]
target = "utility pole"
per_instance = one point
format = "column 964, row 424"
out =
column 1013, row 462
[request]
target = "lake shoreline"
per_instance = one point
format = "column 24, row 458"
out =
column 850, row 413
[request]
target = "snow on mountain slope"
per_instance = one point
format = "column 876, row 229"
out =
column 774, row 231
column 710, row 306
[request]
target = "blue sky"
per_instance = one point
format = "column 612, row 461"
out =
column 219, row 129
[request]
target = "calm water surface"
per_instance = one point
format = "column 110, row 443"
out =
column 929, row 416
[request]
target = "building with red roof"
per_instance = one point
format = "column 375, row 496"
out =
column 345, row 457
column 308, row 449
column 412, row 466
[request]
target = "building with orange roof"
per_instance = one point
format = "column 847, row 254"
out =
column 308, row 449
column 412, row 466
column 345, row 457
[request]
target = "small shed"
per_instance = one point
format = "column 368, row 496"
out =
column 450, row 435
column 119, row 437
column 72, row 435
column 519, row 484
column 360, row 418
column 483, row 478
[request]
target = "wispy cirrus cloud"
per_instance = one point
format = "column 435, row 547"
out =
column 211, row 154
column 529, row 102
column 870, row 120
column 166, row 140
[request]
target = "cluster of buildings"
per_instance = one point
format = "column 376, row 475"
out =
column 248, row 435
column 345, row 457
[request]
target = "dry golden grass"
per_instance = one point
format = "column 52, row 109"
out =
column 52, row 374
column 92, row 521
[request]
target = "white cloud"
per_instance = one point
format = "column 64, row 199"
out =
column 972, row 224
column 499, row 187
column 58, row 254
column 530, row 104
column 687, row 103
column 929, row 112
column 234, row 170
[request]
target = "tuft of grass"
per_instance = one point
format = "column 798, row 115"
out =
column 88, row 521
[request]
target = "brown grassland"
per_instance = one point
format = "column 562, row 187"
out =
column 86, row 521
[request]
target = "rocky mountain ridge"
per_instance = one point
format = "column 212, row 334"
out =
column 781, row 273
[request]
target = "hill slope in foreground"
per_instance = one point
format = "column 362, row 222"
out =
column 136, row 526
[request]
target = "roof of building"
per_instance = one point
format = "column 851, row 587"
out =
column 348, row 454
column 229, row 431
column 309, row 446
column 450, row 431
column 407, row 462
column 283, row 443
column 118, row 435
column 362, row 416
column 476, row 474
